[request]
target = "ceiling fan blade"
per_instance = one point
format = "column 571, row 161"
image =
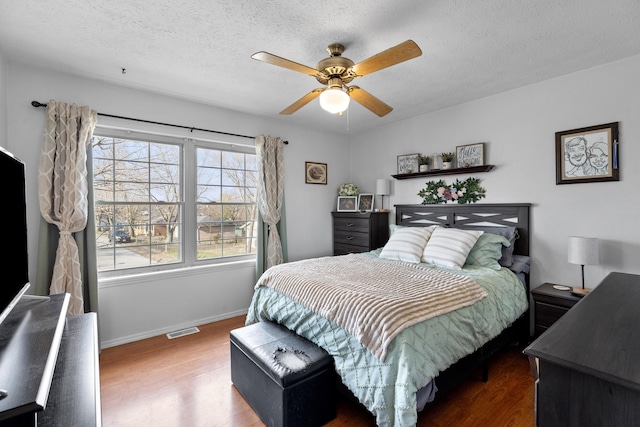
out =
column 281, row 62
column 302, row 102
column 369, row 101
column 392, row 56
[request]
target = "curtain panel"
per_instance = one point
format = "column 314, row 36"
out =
column 270, row 199
column 63, row 192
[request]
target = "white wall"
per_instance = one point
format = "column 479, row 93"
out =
column 134, row 309
column 519, row 128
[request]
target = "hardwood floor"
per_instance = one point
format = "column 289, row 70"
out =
column 186, row 382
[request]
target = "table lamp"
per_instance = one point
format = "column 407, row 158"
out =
column 382, row 189
column 583, row 251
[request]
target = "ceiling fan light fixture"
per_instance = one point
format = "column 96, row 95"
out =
column 334, row 100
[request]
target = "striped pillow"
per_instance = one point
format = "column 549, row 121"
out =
column 449, row 247
column 407, row 244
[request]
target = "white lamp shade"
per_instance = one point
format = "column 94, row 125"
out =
column 334, row 100
column 382, row 187
column 584, row 250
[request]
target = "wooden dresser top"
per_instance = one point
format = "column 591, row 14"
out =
column 600, row 335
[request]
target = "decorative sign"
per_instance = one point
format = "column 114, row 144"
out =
column 470, row 155
column 408, row 163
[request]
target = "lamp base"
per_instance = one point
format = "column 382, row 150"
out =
column 580, row 292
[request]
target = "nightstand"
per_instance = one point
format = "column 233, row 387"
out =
column 549, row 305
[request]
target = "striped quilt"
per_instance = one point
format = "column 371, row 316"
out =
column 372, row 300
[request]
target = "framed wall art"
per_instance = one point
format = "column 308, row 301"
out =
column 365, row 202
column 470, row 155
column 408, row 163
column 347, row 203
column 315, row 173
column 588, row 154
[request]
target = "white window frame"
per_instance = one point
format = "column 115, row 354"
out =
column 188, row 174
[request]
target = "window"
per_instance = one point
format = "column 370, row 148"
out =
column 226, row 203
column 154, row 210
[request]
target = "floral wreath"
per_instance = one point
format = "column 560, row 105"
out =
column 467, row 191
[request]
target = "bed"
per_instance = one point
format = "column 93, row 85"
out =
column 394, row 365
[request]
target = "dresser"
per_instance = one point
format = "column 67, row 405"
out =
column 550, row 305
column 588, row 369
column 355, row 232
column 49, row 365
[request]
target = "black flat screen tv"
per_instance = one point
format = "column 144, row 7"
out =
column 14, row 280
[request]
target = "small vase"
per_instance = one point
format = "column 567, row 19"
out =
column 424, row 168
column 447, row 165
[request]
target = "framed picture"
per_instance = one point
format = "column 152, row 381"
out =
column 408, row 163
column 347, row 203
column 470, row 155
column 588, row 154
column 365, row 202
column 315, row 173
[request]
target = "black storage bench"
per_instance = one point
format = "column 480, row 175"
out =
column 287, row 380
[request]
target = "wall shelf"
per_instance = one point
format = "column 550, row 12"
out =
column 473, row 169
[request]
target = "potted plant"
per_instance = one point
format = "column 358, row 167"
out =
column 423, row 162
column 447, row 160
column 348, row 189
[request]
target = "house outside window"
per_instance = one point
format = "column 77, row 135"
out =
column 165, row 203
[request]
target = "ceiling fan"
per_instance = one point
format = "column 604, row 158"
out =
column 336, row 71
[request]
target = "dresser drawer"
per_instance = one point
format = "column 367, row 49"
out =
column 351, row 238
column 553, row 300
column 548, row 314
column 351, row 224
column 344, row 249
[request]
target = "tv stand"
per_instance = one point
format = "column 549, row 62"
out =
column 49, row 365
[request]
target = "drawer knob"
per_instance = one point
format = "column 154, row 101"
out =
column 349, row 237
column 350, row 224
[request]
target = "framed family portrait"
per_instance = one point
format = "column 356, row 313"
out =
column 315, row 173
column 408, row 163
column 347, row 203
column 470, row 155
column 365, row 202
column 588, row 154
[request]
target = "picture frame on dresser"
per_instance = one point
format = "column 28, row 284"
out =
column 365, row 202
column 347, row 204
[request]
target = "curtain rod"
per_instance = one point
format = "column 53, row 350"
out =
column 191, row 129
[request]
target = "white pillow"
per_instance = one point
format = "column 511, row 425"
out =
column 449, row 247
column 407, row 244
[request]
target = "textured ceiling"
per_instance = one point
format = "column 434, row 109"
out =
column 201, row 49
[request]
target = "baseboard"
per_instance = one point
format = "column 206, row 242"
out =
column 162, row 331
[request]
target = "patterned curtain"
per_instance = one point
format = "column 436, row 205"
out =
column 63, row 188
column 270, row 198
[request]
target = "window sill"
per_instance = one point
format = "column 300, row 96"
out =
column 130, row 279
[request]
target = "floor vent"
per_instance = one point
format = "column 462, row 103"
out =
column 182, row 332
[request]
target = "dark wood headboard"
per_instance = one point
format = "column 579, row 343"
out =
column 470, row 215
